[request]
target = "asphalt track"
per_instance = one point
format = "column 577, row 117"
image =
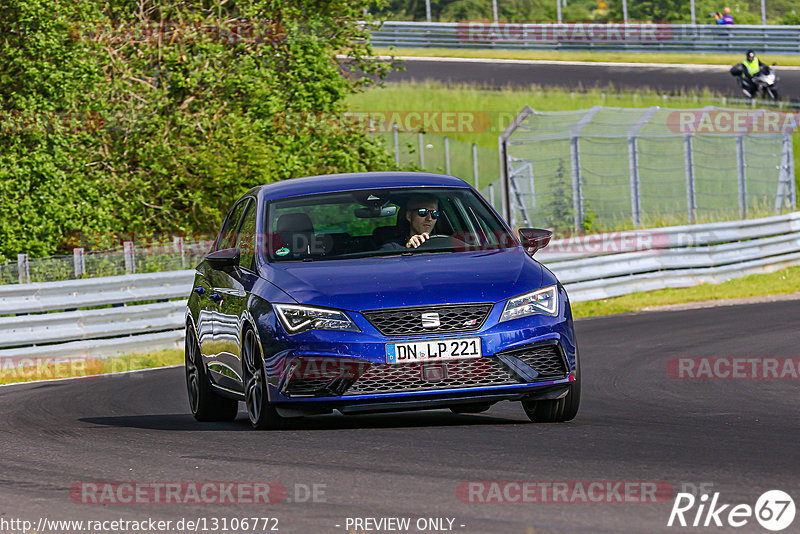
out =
column 635, row 424
column 666, row 79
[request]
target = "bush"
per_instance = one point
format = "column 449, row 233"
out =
column 141, row 117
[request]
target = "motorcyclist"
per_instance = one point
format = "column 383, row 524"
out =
column 747, row 69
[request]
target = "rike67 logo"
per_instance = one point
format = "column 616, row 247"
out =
column 774, row 510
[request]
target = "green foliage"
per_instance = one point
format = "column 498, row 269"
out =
column 141, row 117
column 467, row 10
column 558, row 211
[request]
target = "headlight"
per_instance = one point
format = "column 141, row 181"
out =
column 542, row 301
column 296, row 319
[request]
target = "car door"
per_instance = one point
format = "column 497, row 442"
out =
column 233, row 288
column 212, row 342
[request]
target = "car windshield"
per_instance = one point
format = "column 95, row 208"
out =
column 380, row 222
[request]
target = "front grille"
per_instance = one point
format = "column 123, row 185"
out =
column 365, row 378
column 546, row 359
column 408, row 321
column 388, row 378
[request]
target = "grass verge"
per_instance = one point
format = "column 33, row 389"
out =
column 785, row 281
column 493, row 110
column 500, row 106
column 589, row 57
column 40, row 368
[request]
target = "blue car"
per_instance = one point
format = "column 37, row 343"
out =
column 376, row 292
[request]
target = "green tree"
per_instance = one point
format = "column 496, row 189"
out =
column 558, row 211
column 191, row 104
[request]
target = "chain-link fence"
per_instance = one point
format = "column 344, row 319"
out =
column 614, row 168
column 480, row 166
column 127, row 259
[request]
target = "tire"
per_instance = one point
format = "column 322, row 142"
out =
column 205, row 403
column 773, row 94
column 558, row 410
column 470, row 408
column 262, row 414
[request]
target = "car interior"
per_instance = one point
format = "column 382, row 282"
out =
column 295, row 236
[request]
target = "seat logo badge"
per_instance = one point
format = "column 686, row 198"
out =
column 430, row 320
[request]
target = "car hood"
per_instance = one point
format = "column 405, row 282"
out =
column 418, row 280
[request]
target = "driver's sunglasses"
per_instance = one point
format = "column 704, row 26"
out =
column 422, row 212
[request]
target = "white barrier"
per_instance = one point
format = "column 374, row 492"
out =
column 718, row 252
column 610, row 265
column 88, row 292
column 596, row 36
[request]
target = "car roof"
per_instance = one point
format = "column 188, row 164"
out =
column 332, row 183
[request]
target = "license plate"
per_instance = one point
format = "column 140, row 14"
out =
column 433, row 350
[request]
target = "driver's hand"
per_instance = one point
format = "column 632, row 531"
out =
column 417, row 240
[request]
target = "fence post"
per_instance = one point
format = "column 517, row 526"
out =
column 691, row 195
column 421, row 150
column 446, row 155
column 742, row 176
column 491, row 194
column 787, row 139
column 533, row 186
column 475, row 166
column 633, row 163
column 78, row 262
column 577, row 193
column 396, row 144
column 130, row 263
column 24, row 269
column 502, row 146
column 179, row 246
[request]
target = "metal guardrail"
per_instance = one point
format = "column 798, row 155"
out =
column 91, row 324
column 90, row 292
column 609, row 265
column 673, row 237
column 590, row 36
column 27, row 331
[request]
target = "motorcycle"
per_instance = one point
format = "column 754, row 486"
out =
column 763, row 82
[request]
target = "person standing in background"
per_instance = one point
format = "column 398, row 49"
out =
column 724, row 18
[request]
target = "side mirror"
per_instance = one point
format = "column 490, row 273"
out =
column 224, row 259
column 534, row 239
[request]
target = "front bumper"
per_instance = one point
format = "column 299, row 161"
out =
column 367, row 350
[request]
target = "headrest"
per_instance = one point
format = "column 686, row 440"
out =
column 295, row 223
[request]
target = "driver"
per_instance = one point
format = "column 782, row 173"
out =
column 421, row 214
